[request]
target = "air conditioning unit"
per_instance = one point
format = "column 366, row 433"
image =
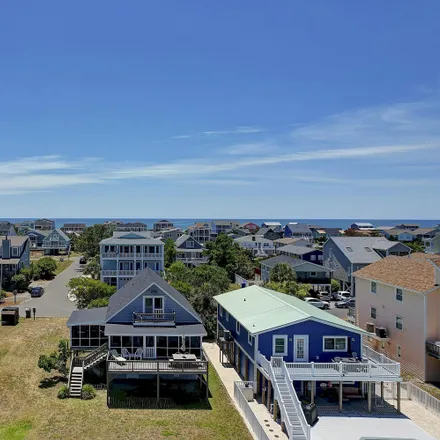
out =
column 227, row 335
column 381, row 332
column 370, row 327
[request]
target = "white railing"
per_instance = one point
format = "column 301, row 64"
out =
column 109, row 255
column 149, row 352
column 107, row 272
column 263, row 362
column 243, row 404
column 126, row 272
column 420, row 396
column 296, row 402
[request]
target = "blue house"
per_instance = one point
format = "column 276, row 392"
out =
column 285, row 345
column 304, row 253
column 298, row 230
column 149, row 333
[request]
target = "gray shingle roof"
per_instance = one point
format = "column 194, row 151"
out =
column 297, row 250
column 262, row 231
column 88, row 316
column 144, row 238
column 253, row 238
column 182, row 240
column 292, row 262
column 137, row 285
column 178, row 330
column 300, row 228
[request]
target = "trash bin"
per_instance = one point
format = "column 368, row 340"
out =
column 310, row 413
column 28, row 312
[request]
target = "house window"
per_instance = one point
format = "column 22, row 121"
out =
column 250, row 339
column 399, row 294
column 280, row 345
column 373, row 312
column 227, row 316
column 335, row 343
column 14, row 251
column 399, row 351
column 373, row 287
column 312, row 257
column 189, row 244
column 220, row 310
column 313, row 274
column 153, row 304
column 237, row 327
column 399, row 322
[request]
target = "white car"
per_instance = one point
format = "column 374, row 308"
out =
column 317, row 303
column 341, row 295
column 325, row 296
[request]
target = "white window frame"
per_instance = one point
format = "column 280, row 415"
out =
column 334, row 349
column 395, row 323
column 250, row 339
column 190, row 244
column 14, row 251
column 401, row 294
column 375, row 312
column 237, row 327
column 274, row 338
column 162, row 310
column 313, row 274
column 220, row 310
column 227, row 316
column 373, row 283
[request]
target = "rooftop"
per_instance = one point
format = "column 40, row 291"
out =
column 16, row 240
column 259, row 309
column 415, row 272
column 297, row 250
column 253, row 238
column 293, row 262
column 132, row 238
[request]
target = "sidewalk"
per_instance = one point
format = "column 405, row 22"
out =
column 228, row 376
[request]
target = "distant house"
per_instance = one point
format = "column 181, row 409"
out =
column 346, row 255
column 14, row 255
column 201, row 232
column 24, row 226
column 162, row 224
column 306, row 272
column 269, row 233
column 173, row 233
column 36, row 238
column 259, row 246
column 44, row 224
column 56, row 241
column 252, row 227
column 359, row 226
column 7, row 228
column 296, row 241
column 276, row 226
column 302, row 253
column 223, row 226
column 131, row 227
column 410, row 226
column 242, row 232
column 74, row 228
column 297, row 230
column 318, row 232
column 189, row 251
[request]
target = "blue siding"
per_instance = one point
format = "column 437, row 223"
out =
column 315, row 331
column 335, row 259
column 126, row 314
column 242, row 338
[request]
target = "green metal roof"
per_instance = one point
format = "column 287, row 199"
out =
column 259, row 309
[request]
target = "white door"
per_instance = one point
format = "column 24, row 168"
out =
column 301, row 348
column 150, row 347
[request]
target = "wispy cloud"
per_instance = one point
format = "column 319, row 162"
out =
column 249, row 149
column 182, row 136
column 237, row 130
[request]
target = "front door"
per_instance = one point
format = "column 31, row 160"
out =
column 301, row 348
column 150, row 347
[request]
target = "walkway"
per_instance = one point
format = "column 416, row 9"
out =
column 228, row 376
column 54, row 302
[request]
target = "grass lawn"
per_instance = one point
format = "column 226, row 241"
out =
column 31, row 412
column 62, row 265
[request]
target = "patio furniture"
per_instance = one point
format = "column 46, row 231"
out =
column 179, row 360
column 121, row 360
column 126, row 354
column 336, row 359
column 138, row 354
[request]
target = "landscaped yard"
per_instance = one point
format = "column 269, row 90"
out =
column 63, row 265
column 30, row 412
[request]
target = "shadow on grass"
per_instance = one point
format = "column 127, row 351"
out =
column 152, row 403
column 50, row 382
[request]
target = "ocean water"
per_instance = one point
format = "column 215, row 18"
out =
column 185, row 222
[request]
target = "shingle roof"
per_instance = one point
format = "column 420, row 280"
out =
column 297, row 250
column 263, row 231
column 259, row 309
column 293, row 263
column 253, row 239
column 118, row 238
column 415, row 272
column 88, row 316
column 178, row 330
column 292, row 240
column 16, row 240
column 59, row 232
column 137, row 285
column 301, row 228
column 182, row 240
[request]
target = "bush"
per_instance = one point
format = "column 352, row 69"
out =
column 47, row 267
column 20, row 282
column 88, row 392
column 63, row 392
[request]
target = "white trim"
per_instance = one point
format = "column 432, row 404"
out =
column 375, row 309
column 87, row 323
column 375, row 287
column 220, row 310
column 241, row 348
column 237, row 326
column 161, row 310
column 306, row 348
column 250, row 339
column 286, row 349
column 156, row 334
column 401, row 294
column 334, row 337
column 395, row 322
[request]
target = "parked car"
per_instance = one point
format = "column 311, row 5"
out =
column 340, row 295
column 317, row 303
column 346, row 303
column 36, row 292
column 82, row 260
column 325, row 296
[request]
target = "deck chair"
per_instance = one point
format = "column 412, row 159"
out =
column 121, row 360
column 126, row 354
column 138, row 354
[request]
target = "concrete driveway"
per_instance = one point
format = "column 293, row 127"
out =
column 54, row 302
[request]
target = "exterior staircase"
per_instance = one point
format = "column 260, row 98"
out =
column 79, row 364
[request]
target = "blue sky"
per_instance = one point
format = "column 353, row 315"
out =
column 220, row 109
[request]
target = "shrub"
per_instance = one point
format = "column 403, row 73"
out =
column 20, row 282
column 63, row 392
column 57, row 360
column 88, row 392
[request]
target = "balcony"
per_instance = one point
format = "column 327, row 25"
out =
column 433, row 349
column 141, row 255
column 127, row 273
column 154, row 318
column 109, row 255
column 109, row 273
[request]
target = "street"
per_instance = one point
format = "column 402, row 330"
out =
column 340, row 313
column 54, row 302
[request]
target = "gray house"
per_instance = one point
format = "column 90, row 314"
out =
column 302, row 253
column 44, row 224
column 189, row 251
column 269, row 233
column 56, row 241
column 346, row 255
column 7, row 228
column 165, row 234
column 36, row 238
column 14, row 255
column 308, row 273
column 149, row 336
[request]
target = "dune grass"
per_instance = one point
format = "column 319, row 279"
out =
column 30, row 409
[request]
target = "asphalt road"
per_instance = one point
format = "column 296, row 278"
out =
column 54, row 302
column 340, row 313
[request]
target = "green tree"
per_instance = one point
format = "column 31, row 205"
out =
column 416, row 245
column 99, row 302
column 46, row 268
column 20, row 282
column 169, row 252
column 243, row 265
column 88, row 242
column 336, row 285
column 57, row 360
column 177, row 272
column 205, row 274
column 87, row 290
column 27, row 273
column 93, row 267
column 282, row 273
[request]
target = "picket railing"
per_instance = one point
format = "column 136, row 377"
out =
column 420, row 396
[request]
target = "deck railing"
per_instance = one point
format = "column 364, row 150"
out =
column 154, row 317
column 433, row 349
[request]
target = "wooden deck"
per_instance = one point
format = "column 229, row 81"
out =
column 154, row 366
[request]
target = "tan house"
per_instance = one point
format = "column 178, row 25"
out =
column 398, row 301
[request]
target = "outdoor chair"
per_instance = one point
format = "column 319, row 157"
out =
column 138, row 354
column 126, row 354
column 121, row 360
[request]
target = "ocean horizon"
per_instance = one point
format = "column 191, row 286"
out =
column 185, row 222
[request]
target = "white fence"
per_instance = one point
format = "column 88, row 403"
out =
column 413, row 392
column 247, row 411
